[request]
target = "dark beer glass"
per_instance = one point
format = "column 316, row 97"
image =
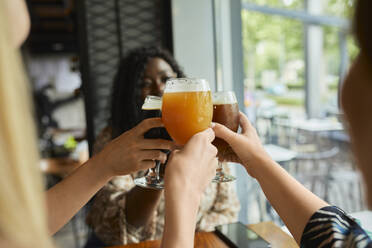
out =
column 225, row 112
column 154, row 177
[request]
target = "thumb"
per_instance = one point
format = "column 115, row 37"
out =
column 223, row 132
column 208, row 134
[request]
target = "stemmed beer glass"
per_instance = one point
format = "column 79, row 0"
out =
column 187, row 109
column 154, row 177
column 225, row 112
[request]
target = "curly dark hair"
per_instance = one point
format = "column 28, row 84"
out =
column 362, row 28
column 126, row 98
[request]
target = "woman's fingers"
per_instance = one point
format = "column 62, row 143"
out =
column 223, row 132
column 202, row 140
column 147, row 124
column 149, row 144
column 245, row 124
column 153, row 155
column 208, row 134
column 146, row 164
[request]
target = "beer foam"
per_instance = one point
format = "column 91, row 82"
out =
column 186, row 85
column 152, row 103
column 227, row 97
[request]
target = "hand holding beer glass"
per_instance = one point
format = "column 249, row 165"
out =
column 153, row 178
column 225, row 112
column 186, row 110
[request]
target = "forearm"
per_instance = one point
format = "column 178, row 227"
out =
column 180, row 219
column 66, row 198
column 140, row 205
column 293, row 202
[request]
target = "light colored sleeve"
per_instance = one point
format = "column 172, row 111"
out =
column 224, row 210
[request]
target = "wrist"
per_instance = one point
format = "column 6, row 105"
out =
column 181, row 209
column 181, row 206
column 257, row 163
column 103, row 172
column 182, row 192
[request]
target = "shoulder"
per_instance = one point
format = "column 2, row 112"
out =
column 330, row 226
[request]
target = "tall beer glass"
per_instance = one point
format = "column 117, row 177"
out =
column 225, row 112
column 187, row 108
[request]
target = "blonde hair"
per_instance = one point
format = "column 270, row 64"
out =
column 22, row 204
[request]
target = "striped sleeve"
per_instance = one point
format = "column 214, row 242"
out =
column 332, row 227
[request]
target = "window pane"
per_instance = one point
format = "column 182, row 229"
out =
column 288, row 4
column 275, row 68
column 339, row 8
column 274, row 58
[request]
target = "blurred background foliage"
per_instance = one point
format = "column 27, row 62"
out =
column 274, row 46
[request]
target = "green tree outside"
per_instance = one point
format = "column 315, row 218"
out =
column 272, row 43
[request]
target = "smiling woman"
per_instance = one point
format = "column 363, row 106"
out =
column 141, row 72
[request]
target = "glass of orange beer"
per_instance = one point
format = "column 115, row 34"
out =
column 187, row 108
column 225, row 112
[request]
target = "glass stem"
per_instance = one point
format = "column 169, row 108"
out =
column 157, row 169
column 150, row 172
column 219, row 168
